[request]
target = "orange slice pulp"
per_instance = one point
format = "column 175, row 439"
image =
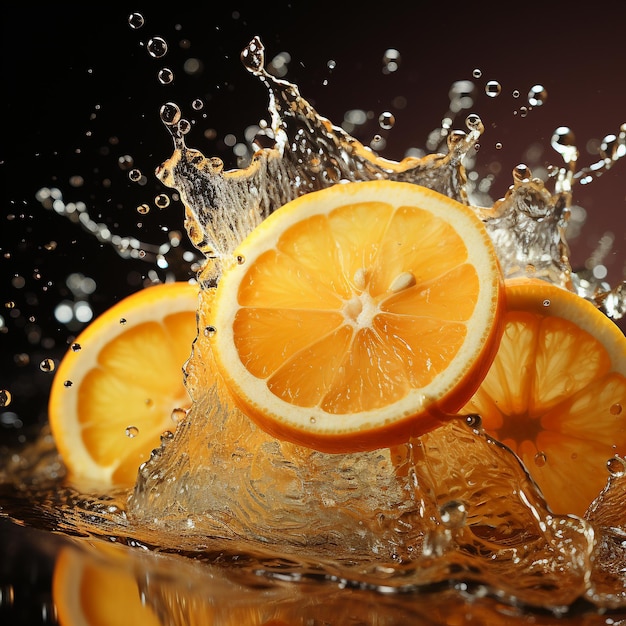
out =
column 116, row 388
column 358, row 316
column 556, row 392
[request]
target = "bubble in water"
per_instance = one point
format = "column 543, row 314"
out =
column 5, row 397
column 131, row 431
column 157, row 47
column 391, row 61
column 537, row 95
column 515, row 93
column 616, row 466
column 332, row 64
column 477, row 73
column 134, row 175
column 47, row 365
column 493, row 88
column 498, row 145
column 143, row 208
column 453, row 514
column 165, row 76
column 197, row 104
column 386, row 120
column 135, row 20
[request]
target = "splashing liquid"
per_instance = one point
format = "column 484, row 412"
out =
column 452, row 508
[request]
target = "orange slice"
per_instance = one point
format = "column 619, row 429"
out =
column 98, row 589
column 358, row 316
column 116, row 388
column 556, row 392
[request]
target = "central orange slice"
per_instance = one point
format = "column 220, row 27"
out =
column 358, row 316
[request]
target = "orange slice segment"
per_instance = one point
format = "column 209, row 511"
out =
column 556, row 392
column 115, row 390
column 358, row 316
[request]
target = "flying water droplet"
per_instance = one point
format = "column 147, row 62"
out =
column 391, row 61
column 157, row 47
column 135, row 20
column 493, row 88
column 165, row 76
column 5, row 397
column 386, row 120
column 47, row 365
column 131, row 432
column 537, row 95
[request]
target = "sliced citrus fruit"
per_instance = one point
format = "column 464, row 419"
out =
column 556, row 391
column 357, row 316
column 116, row 388
column 98, row 589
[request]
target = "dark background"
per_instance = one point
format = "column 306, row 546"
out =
column 80, row 92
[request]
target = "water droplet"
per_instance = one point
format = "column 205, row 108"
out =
column 516, row 93
column 498, row 145
column 312, row 420
column 332, row 64
column 143, row 209
column 165, row 76
column 493, row 88
column 170, row 113
column 616, row 409
column 537, row 95
column 240, row 259
column 5, row 397
column 453, row 514
column 184, row 126
column 162, row 201
column 47, row 365
column 209, row 331
column 125, row 162
column 523, row 111
column 76, row 347
column 123, row 321
column 391, row 61
column 473, row 122
column 178, row 415
column 540, row 459
column 546, row 302
column 616, row 466
column 67, row 383
column 521, row 173
column 197, row 104
column 477, row 73
column 157, row 47
column 474, row 421
column 386, row 120
column 131, row 431
column 134, row 175
column 135, row 20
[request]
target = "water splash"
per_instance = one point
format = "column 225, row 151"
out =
column 307, row 153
